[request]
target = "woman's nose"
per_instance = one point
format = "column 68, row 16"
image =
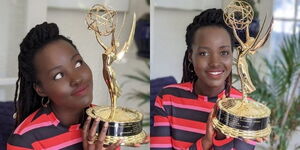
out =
column 214, row 60
column 76, row 80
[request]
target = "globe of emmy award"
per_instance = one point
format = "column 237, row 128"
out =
column 242, row 117
column 124, row 123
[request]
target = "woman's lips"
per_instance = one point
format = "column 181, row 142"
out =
column 81, row 90
column 215, row 74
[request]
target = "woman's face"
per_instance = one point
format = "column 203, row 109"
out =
column 63, row 76
column 211, row 56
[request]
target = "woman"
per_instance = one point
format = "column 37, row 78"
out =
column 54, row 88
column 183, row 112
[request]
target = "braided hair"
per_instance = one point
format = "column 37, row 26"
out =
column 26, row 98
column 209, row 17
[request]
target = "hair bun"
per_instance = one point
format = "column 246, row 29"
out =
column 39, row 35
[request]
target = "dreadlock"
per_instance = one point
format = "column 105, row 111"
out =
column 26, row 99
column 210, row 17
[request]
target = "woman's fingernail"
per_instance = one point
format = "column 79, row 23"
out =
column 97, row 119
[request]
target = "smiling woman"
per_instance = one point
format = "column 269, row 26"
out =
column 183, row 112
column 54, row 88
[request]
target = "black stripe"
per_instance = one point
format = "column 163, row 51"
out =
column 34, row 135
column 47, row 132
column 187, row 113
column 193, row 147
column 213, row 99
column 180, row 93
column 160, row 131
column 185, row 136
column 239, row 144
column 43, row 110
column 158, row 111
column 22, row 141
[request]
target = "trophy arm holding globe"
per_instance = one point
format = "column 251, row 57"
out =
column 239, row 16
column 100, row 19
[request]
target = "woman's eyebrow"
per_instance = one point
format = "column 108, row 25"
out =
column 54, row 68
column 201, row 47
column 225, row 46
column 75, row 56
column 60, row 65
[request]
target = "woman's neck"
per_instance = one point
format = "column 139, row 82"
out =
column 67, row 117
column 201, row 89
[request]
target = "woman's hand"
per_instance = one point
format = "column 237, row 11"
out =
column 210, row 131
column 260, row 140
column 146, row 140
column 90, row 139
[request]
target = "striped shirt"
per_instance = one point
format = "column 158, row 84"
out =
column 42, row 130
column 180, row 118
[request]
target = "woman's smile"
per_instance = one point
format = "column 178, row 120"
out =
column 81, row 90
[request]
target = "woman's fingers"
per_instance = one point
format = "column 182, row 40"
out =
column 266, row 138
column 147, row 140
column 263, row 139
column 91, row 138
column 114, row 146
column 85, row 131
column 259, row 140
column 102, row 136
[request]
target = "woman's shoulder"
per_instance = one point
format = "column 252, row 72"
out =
column 235, row 93
column 22, row 136
column 187, row 86
column 39, row 118
column 178, row 90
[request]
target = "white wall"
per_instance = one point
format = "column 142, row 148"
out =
column 12, row 29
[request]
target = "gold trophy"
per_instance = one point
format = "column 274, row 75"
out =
column 243, row 117
column 125, row 124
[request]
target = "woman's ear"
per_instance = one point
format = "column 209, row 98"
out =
column 39, row 90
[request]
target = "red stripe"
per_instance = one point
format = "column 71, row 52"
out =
column 158, row 103
column 191, row 107
column 65, row 137
column 199, row 144
column 25, row 123
column 170, row 99
column 12, row 147
column 187, row 123
column 161, row 121
column 35, row 126
column 160, row 140
column 180, row 86
column 181, row 144
column 65, row 144
column 221, row 142
column 160, row 145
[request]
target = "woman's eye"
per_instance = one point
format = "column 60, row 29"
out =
column 203, row 53
column 78, row 64
column 58, row 76
column 223, row 53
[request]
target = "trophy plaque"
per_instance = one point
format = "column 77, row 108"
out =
column 124, row 123
column 243, row 117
